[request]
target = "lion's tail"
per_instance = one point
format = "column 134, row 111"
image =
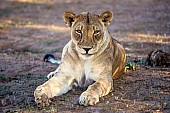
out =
column 50, row 58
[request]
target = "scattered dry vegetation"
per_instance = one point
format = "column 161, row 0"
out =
column 31, row 28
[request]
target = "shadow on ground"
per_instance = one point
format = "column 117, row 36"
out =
column 29, row 29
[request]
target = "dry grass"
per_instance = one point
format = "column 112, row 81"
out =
column 31, row 28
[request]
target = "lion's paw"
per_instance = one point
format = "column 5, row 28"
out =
column 88, row 99
column 41, row 97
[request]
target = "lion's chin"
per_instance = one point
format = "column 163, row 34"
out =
column 86, row 56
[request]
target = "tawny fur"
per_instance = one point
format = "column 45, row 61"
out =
column 92, row 58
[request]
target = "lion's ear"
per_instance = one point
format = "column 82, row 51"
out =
column 69, row 18
column 106, row 17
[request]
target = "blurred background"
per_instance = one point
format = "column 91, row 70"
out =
column 38, row 26
column 31, row 28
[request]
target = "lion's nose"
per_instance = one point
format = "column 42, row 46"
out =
column 87, row 49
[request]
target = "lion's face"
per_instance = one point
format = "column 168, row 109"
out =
column 87, row 34
column 87, row 30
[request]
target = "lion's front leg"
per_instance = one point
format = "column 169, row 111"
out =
column 51, row 74
column 55, row 86
column 100, row 88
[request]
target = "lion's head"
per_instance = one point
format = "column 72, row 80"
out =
column 88, row 30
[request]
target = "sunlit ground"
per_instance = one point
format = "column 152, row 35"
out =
column 48, row 27
column 32, row 1
column 31, row 28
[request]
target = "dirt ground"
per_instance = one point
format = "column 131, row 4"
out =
column 31, row 28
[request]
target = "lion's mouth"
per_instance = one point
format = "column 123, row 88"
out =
column 86, row 54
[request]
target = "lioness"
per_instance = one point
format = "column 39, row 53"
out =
column 92, row 59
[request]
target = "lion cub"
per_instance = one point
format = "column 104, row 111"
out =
column 92, row 59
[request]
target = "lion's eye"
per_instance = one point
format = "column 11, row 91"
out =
column 96, row 32
column 78, row 31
